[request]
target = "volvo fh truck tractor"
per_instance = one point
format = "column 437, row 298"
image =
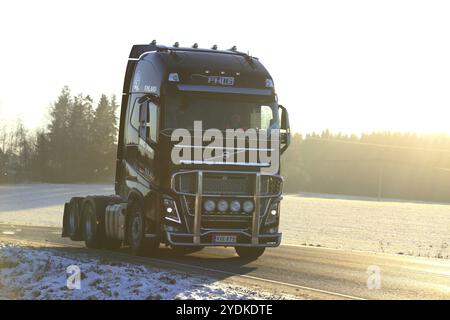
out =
column 200, row 139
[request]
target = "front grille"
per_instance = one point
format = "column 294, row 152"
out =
column 232, row 224
column 270, row 185
column 187, row 183
column 216, row 184
column 223, row 184
column 228, row 184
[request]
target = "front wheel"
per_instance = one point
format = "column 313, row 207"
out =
column 137, row 227
column 250, row 253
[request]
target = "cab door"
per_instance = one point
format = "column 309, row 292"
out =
column 143, row 142
column 148, row 138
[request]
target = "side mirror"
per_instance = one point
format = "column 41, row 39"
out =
column 285, row 132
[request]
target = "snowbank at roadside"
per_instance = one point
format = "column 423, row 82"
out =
column 41, row 273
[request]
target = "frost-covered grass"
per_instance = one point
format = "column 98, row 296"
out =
column 42, row 204
column 419, row 229
column 41, row 273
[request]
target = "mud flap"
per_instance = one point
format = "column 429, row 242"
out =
column 65, row 228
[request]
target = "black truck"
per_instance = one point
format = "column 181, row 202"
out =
column 226, row 199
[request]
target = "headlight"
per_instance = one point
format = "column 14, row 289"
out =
column 248, row 206
column 209, row 205
column 235, row 206
column 273, row 213
column 171, row 211
column 222, row 205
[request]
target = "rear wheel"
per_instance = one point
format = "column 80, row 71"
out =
column 74, row 220
column 92, row 237
column 93, row 221
column 250, row 253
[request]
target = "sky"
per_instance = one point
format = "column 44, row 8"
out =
column 346, row 66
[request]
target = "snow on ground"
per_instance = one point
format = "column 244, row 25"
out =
column 41, row 273
column 399, row 227
column 419, row 229
column 42, row 204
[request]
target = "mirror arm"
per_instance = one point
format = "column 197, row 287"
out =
column 152, row 97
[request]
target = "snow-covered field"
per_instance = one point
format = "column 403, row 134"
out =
column 41, row 273
column 418, row 229
column 42, row 204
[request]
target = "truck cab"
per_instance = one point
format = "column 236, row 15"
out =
column 181, row 179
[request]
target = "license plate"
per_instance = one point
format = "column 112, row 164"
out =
column 222, row 238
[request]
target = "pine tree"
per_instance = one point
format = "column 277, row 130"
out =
column 113, row 118
column 41, row 157
column 80, row 139
column 58, row 136
column 105, row 136
column 23, row 152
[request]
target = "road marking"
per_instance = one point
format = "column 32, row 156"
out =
column 185, row 265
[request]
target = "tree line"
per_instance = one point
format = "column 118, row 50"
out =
column 380, row 164
column 79, row 144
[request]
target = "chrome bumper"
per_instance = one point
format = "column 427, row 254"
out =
column 199, row 237
column 244, row 239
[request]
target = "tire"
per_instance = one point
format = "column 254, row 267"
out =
column 136, row 230
column 75, row 229
column 184, row 250
column 250, row 253
column 93, row 214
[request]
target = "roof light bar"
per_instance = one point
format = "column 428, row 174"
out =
column 269, row 83
column 173, row 77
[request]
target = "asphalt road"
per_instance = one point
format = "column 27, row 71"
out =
column 309, row 271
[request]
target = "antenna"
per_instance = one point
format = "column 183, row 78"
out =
column 195, row 46
column 233, row 48
column 214, row 47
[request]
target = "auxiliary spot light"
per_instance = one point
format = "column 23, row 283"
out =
column 222, row 205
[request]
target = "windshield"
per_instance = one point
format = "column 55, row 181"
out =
column 221, row 112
